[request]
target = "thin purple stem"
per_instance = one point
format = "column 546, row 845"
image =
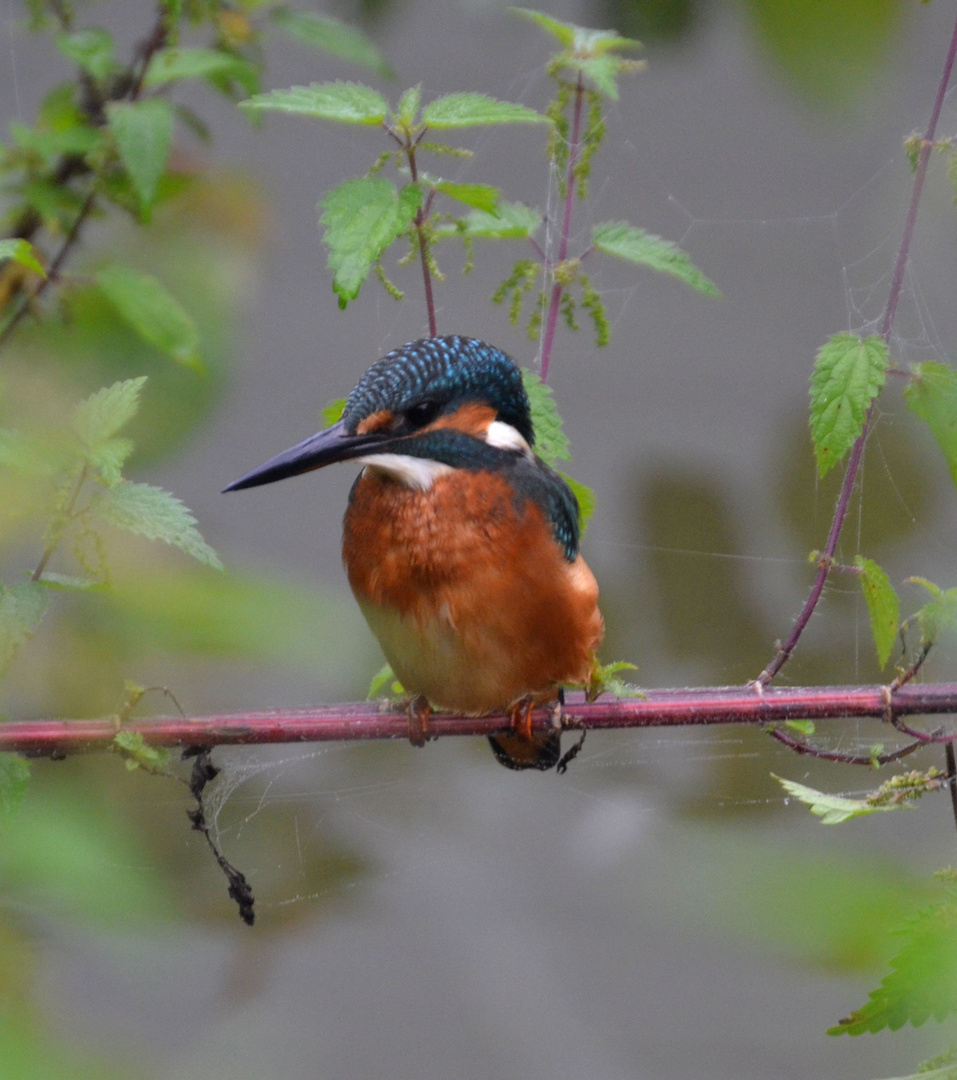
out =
column 419, row 223
column 890, row 310
column 366, row 720
column 554, row 303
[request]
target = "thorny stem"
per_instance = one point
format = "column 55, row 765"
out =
column 70, row 166
column 368, row 720
column 800, row 747
column 554, row 303
column 421, row 216
column 890, row 310
column 61, row 519
column 27, row 302
column 952, row 776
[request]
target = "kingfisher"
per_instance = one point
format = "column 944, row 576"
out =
column 460, row 544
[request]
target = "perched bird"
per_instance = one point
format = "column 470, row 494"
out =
column 461, row 546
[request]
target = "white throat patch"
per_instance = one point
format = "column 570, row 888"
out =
column 414, row 472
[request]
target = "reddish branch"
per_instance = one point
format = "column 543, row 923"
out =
column 335, row 723
column 890, row 310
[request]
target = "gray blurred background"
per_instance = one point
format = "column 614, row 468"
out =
column 658, row 912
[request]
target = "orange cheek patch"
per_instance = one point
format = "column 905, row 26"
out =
column 377, row 421
column 473, row 418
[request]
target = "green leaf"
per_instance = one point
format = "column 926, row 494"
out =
column 937, row 616
column 103, row 414
column 68, row 583
column 604, row 679
column 932, row 395
column 362, row 217
column 145, row 305
column 849, row 372
column 143, row 131
column 156, row 514
column 551, row 443
column 591, row 52
column 585, row 497
column 563, row 31
column 511, row 220
column 635, row 245
column 470, row 110
column 174, row 65
column 138, row 753
column 21, row 609
column 91, row 49
column 331, row 36
column 883, row 606
column 21, row 251
column 832, row 809
column 803, row 727
column 408, row 107
column 14, row 774
column 384, row 684
column 482, row 196
column 332, row 413
column 922, row 983
column 580, row 39
column 347, row 102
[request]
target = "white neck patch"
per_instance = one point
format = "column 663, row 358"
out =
column 504, row 437
column 414, row 472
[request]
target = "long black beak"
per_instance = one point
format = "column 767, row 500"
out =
column 333, row 444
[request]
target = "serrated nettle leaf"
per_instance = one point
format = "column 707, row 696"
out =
column 152, row 512
column 109, row 457
column 563, row 31
column 104, row 413
column 21, row 251
column 932, row 395
column 156, row 515
column 471, row 110
column 14, row 776
column 803, row 727
column 849, row 372
column 585, row 497
column 144, row 303
column 938, row 616
column 883, row 606
column 92, row 49
column 68, row 583
column 78, row 138
column 384, row 684
column 511, row 220
column 628, row 242
column 21, row 609
column 831, row 809
column 922, row 982
column 332, row 413
column 408, row 108
column 582, row 40
column 551, row 443
column 331, row 36
column 174, row 65
column 144, row 132
column 138, row 752
column 362, row 218
column 346, row 102
column 482, row 196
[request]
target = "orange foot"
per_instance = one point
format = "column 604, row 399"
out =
column 419, row 712
column 520, row 715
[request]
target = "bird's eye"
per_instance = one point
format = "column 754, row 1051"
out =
column 422, row 413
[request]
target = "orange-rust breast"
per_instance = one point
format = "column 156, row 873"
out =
column 468, row 592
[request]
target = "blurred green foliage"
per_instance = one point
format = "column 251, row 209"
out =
column 112, row 355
